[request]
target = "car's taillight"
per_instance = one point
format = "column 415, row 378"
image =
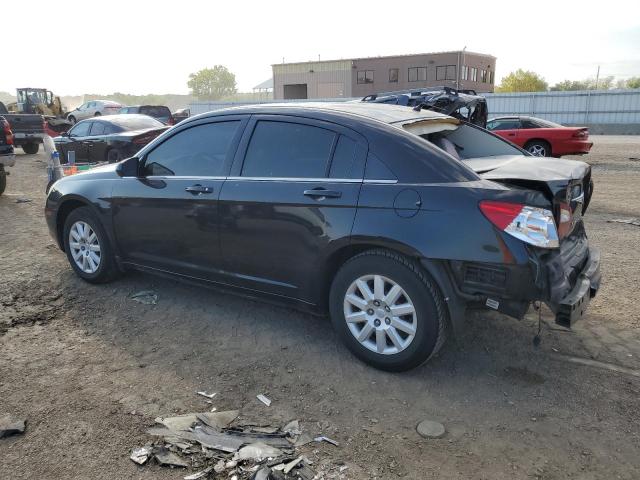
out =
column 7, row 132
column 584, row 133
column 530, row 224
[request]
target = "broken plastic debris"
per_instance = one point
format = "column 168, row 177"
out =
column 263, row 474
column 140, row 455
column 208, row 395
column 292, row 428
column 257, row 451
column 264, row 399
column 165, row 457
column 147, row 297
column 291, row 465
column 196, row 476
column 322, row 438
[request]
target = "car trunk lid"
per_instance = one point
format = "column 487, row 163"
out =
column 567, row 184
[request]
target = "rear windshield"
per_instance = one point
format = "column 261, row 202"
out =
column 466, row 141
column 545, row 123
column 131, row 122
column 155, row 111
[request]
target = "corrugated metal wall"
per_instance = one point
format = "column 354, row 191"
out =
column 594, row 107
column 579, row 107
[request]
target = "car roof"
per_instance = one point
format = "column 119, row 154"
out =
column 390, row 114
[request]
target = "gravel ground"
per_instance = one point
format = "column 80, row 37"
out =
column 90, row 369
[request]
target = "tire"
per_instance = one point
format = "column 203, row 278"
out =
column 97, row 114
column 106, row 269
column 30, row 148
column 113, row 155
column 72, row 119
column 538, row 148
column 428, row 321
column 3, row 179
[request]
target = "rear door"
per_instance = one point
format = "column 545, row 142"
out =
column 166, row 218
column 287, row 204
column 97, row 142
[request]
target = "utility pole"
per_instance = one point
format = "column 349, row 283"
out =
column 597, row 77
column 459, row 73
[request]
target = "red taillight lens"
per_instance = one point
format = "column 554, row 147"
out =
column 581, row 133
column 7, row 132
column 501, row 214
column 530, row 224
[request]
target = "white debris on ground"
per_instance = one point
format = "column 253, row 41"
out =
column 215, row 446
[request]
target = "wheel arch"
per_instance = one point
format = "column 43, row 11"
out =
column 68, row 205
column 435, row 268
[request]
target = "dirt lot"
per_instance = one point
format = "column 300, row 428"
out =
column 89, row 368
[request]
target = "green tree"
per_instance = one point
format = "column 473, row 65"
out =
column 212, row 83
column 522, row 81
column 633, row 82
column 604, row 83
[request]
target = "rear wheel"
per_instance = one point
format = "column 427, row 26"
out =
column 388, row 311
column 97, row 114
column 87, row 246
column 3, row 179
column 538, row 148
column 30, row 148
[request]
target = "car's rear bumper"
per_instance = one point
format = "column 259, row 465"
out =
column 572, row 147
column 574, row 305
column 7, row 159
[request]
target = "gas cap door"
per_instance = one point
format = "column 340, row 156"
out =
column 407, row 203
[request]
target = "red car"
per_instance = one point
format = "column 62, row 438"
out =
column 540, row 137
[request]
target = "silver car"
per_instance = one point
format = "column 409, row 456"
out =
column 94, row 108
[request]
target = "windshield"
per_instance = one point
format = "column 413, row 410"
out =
column 464, row 141
column 136, row 122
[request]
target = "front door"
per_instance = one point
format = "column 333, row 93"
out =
column 167, row 217
column 74, row 145
column 291, row 199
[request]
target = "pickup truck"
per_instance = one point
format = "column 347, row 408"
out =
column 7, row 158
column 28, row 129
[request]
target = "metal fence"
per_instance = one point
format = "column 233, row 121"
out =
column 579, row 107
column 584, row 107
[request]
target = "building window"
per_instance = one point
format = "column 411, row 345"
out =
column 483, row 76
column 474, row 74
column 490, row 77
column 446, row 72
column 393, row 75
column 464, row 72
column 365, row 76
column 418, row 74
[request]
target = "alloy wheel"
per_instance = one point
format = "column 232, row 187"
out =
column 538, row 150
column 380, row 315
column 85, row 247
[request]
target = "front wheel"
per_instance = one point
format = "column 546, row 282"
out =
column 87, row 247
column 388, row 311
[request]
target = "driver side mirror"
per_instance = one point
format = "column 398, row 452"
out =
column 128, row 167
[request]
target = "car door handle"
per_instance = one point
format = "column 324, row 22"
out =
column 198, row 189
column 322, row 193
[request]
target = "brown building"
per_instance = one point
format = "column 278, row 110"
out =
column 358, row 77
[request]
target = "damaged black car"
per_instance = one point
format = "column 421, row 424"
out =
column 390, row 219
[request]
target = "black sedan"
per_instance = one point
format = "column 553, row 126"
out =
column 110, row 138
column 347, row 208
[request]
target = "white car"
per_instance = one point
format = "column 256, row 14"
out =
column 94, row 108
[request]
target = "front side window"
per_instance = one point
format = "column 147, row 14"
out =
column 365, row 76
column 393, row 75
column 417, row 74
column 199, row 151
column 286, row 150
column 80, row 130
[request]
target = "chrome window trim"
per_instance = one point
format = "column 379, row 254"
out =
column 272, row 179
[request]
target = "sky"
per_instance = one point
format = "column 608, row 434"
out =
column 142, row 46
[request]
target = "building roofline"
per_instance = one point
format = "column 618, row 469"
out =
column 466, row 52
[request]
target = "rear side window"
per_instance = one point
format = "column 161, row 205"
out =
column 284, row 149
column 509, row 124
column 345, row 162
column 155, row 111
column 197, row 151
